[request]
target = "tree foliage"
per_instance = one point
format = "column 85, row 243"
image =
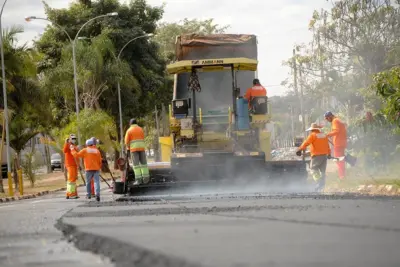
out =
column 91, row 123
column 142, row 83
column 167, row 33
column 351, row 68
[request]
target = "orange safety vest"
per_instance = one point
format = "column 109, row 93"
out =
column 338, row 133
column 318, row 142
column 91, row 158
column 256, row 90
column 69, row 158
column 134, row 138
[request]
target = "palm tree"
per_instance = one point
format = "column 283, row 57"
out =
column 97, row 69
column 24, row 94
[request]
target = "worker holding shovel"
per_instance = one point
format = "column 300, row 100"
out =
column 72, row 167
column 92, row 159
column 320, row 153
column 339, row 140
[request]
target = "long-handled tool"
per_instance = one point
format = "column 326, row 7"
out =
column 347, row 157
column 112, row 176
column 109, row 186
column 80, row 172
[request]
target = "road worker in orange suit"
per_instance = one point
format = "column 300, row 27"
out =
column 71, row 166
column 92, row 160
column 256, row 90
column 320, row 153
column 134, row 141
column 339, row 140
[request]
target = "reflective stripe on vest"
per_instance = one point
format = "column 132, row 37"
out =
column 258, row 87
column 136, row 144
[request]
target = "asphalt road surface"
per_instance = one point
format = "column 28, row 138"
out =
column 28, row 236
column 248, row 230
column 203, row 230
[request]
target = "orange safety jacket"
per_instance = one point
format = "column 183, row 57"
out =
column 69, row 158
column 134, row 138
column 338, row 133
column 91, row 158
column 256, row 90
column 318, row 142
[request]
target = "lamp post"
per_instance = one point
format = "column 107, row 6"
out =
column 73, row 42
column 119, row 89
column 5, row 112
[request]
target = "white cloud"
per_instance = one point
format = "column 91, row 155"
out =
column 278, row 24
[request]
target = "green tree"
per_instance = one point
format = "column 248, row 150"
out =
column 91, row 123
column 147, row 67
column 167, row 33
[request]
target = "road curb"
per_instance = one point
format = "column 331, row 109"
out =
column 39, row 194
column 120, row 253
column 385, row 189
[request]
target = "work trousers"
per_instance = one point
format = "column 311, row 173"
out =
column 96, row 176
column 72, row 172
column 341, row 164
column 140, row 168
column 318, row 170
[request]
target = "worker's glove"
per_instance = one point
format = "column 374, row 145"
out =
column 298, row 153
column 329, row 156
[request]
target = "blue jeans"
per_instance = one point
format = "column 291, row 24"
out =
column 96, row 176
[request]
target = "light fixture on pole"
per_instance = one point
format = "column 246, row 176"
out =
column 73, row 41
column 119, row 90
column 5, row 111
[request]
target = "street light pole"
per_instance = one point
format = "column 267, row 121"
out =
column 119, row 90
column 5, row 112
column 75, row 71
column 73, row 42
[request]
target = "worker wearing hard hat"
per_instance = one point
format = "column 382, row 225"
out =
column 72, row 167
column 92, row 160
column 256, row 90
column 134, row 141
column 320, row 152
column 339, row 140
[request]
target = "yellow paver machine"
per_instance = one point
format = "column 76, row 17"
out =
column 216, row 137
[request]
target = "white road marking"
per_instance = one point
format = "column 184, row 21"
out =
column 6, row 206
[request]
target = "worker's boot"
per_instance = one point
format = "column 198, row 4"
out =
column 97, row 198
column 138, row 182
column 88, row 196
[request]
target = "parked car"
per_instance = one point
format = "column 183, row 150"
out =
column 56, row 161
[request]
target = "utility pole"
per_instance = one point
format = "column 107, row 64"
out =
column 292, row 123
column 296, row 91
column 303, row 119
column 158, row 134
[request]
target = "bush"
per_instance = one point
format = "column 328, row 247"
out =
column 29, row 167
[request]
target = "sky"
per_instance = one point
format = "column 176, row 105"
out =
column 279, row 25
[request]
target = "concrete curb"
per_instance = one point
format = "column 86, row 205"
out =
column 42, row 193
column 383, row 189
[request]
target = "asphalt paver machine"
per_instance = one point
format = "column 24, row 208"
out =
column 217, row 138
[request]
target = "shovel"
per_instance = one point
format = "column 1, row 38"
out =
column 80, row 172
column 351, row 160
column 104, row 180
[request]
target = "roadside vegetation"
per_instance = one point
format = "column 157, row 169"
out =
column 351, row 66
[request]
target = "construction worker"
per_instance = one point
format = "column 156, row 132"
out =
column 339, row 141
column 256, row 90
column 320, row 152
column 92, row 160
column 71, row 166
column 134, row 141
